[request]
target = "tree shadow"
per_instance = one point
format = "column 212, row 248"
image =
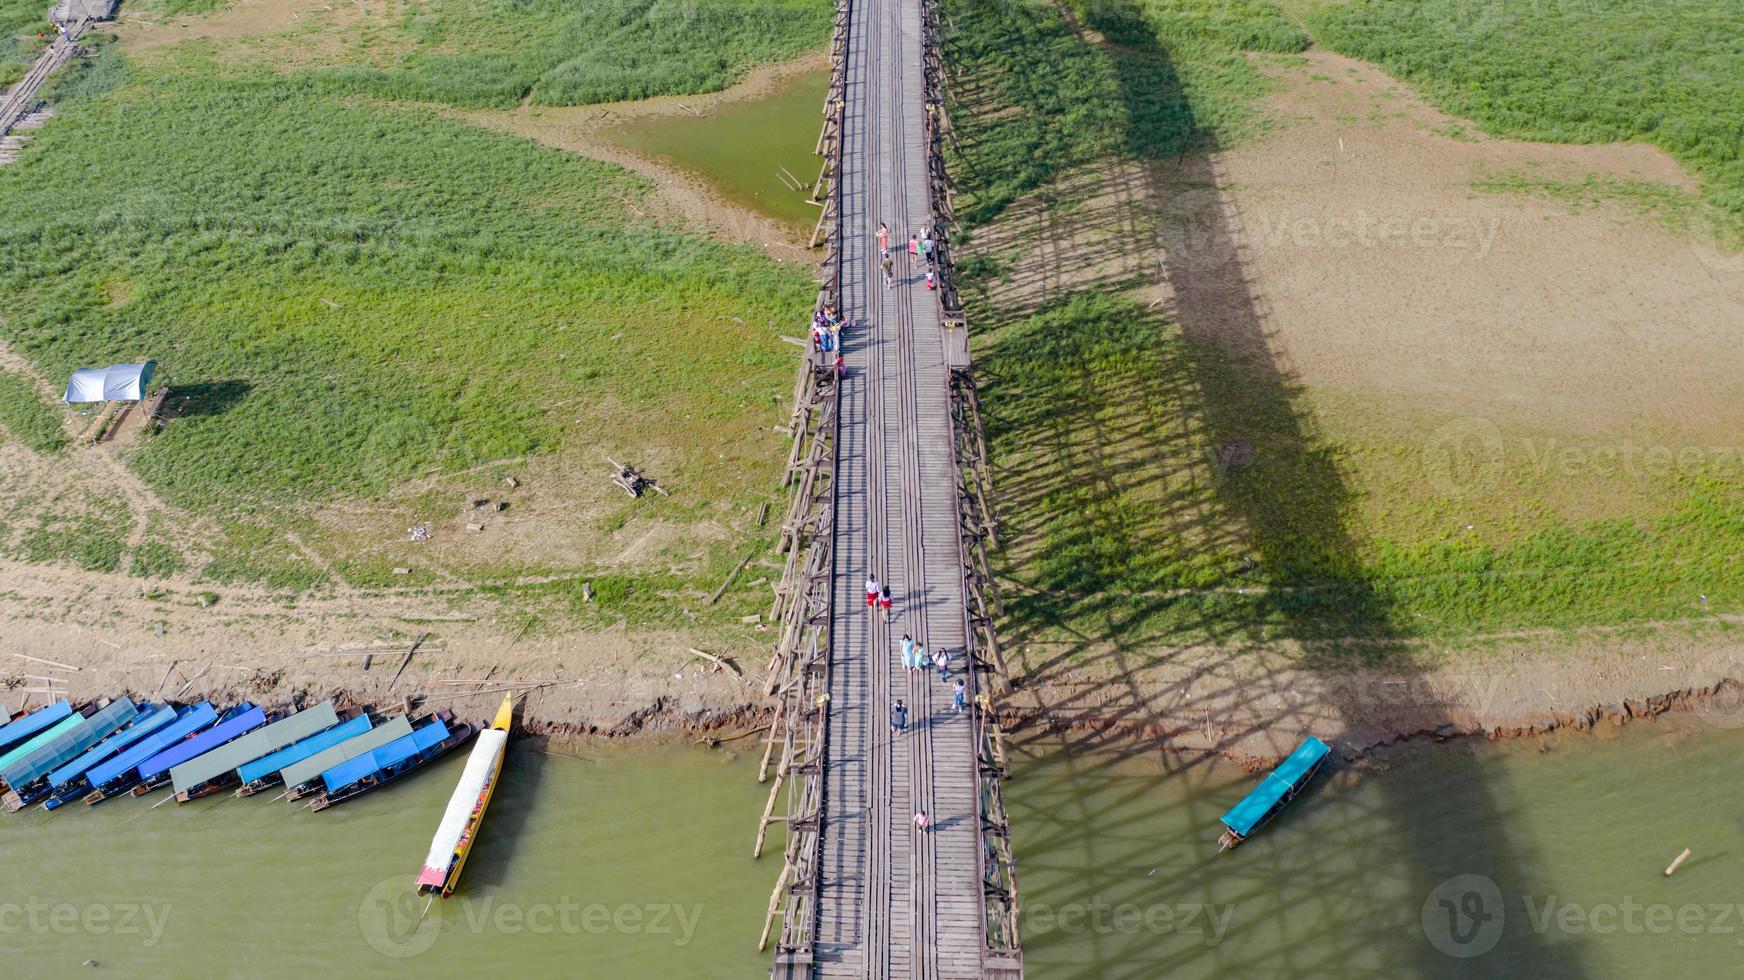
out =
column 204, row 398
column 1167, row 505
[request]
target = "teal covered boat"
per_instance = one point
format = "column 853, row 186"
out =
column 1273, row 793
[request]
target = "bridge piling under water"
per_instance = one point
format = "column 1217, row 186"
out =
column 889, row 480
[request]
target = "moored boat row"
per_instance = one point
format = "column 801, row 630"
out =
column 95, row 751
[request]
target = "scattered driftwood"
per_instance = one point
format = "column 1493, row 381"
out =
column 718, row 661
column 762, row 513
column 41, row 677
column 498, row 690
column 729, row 579
column 487, row 680
column 632, row 481
column 191, row 680
column 51, row 663
column 166, row 678
column 408, row 658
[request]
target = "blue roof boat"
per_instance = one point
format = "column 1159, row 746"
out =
column 27, row 777
column 68, row 782
column 1273, row 793
column 155, row 771
column 378, row 766
column 120, row 773
column 21, row 729
column 264, row 772
column 148, row 720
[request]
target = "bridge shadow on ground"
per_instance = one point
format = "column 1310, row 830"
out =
column 1178, row 553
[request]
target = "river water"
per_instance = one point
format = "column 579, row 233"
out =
column 746, row 149
column 635, row 862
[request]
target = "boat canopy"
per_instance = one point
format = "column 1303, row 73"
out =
column 70, row 744
column 187, row 723
column 34, row 722
column 375, row 760
column 311, row 768
column 486, row 752
column 254, row 745
column 266, row 765
column 148, row 720
column 200, row 744
column 1246, row 815
column 18, row 753
column 118, row 382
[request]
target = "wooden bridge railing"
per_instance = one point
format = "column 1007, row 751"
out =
column 799, row 671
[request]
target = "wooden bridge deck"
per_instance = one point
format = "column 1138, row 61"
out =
column 894, row 903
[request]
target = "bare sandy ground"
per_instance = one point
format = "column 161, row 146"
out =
column 1381, row 272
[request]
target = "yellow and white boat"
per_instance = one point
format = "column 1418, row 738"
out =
column 458, row 830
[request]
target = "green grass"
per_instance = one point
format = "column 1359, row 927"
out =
column 1101, row 419
column 1172, row 79
column 1678, row 210
column 91, row 543
column 354, row 295
column 1592, row 71
column 1155, row 489
column 495, row 53
column 20, row 23
column 27, row 417
column 155, row 559
column 350, row 295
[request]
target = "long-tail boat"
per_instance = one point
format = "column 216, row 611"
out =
column 239, row 721
column 26, row 777
column 216, row 770
column 264, row 772
column 1273, row 793
column 458, row 830
column 304, row 778
column 70, row 781
column 379, row 767
column 120, row 774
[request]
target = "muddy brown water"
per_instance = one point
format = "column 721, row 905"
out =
column 1526, row 858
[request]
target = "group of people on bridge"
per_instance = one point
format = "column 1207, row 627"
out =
column 915, row 658
column 921, row 248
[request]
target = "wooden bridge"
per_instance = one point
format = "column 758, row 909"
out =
column 889, row 481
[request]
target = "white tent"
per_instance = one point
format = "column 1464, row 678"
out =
column 119, row 383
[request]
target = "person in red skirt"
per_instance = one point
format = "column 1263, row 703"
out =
column 872, row 590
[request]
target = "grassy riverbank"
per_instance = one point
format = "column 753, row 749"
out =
column 1160, row 469
column 355, row 299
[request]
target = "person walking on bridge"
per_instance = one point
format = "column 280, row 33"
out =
column 889, row 272
column 883, row 237
column 913, row 247
column 959, row 696
column 899, row 718
column 922, row 822
column 884, row 602
column 942, row 660
column 872, row 589
column 907, row 652
column 926, row 250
